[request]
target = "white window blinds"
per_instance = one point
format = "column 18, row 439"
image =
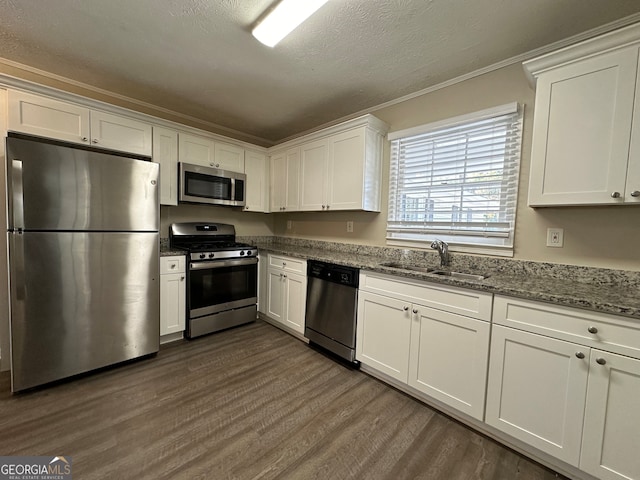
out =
column 457, row 180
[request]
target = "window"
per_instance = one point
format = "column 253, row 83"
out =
column 457, row 180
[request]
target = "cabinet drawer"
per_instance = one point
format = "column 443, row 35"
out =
column 462, row 301
column 175, row 264
column 288, row 264
column 608, row 332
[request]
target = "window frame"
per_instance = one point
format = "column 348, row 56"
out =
column 399, row 235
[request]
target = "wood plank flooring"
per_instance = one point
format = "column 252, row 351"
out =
column 247, row 403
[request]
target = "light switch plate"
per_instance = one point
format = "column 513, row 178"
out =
column 555, row 237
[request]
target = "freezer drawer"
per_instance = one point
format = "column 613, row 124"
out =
column 81, row 301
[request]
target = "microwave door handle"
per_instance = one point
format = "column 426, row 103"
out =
column 16, row 209
column 222, row 263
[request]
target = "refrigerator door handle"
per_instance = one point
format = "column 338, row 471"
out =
column 17, row 196
column 17, row 266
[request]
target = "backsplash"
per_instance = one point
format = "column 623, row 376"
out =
column 468, row 263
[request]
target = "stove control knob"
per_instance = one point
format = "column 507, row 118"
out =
column 249, row 252
column 211, row 255
column 242, row 253
column 202, row 255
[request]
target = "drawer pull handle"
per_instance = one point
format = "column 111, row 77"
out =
column 592, row 330
column 601, row 361
column 173, row 265
column 580, row 355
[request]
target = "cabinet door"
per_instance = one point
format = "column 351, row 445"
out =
column 255, row 168
column 383, row 334
column 612, row 419
column 536, row 391
column 275, row 295
column 582, row 129
column 120, row 133
column 345, row 172
column 165, row 152
column 278, row 186
column 172, row 303
column 313, row 175
column 196, row 150
column 229, row 157
column 295, row 301
column 48, row 118
column 632, row 190
column 448, row 358
column 292, row 192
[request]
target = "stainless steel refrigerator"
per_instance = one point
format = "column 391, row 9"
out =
column 83, row 260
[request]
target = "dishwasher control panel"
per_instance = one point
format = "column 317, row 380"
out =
column 333, row 273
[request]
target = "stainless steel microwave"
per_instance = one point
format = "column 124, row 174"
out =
column 211, row 185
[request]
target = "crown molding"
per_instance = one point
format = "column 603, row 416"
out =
column 33, row 87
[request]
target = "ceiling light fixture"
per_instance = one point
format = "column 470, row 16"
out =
column 283, row 19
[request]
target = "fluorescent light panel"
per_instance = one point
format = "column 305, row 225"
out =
column 284, row 19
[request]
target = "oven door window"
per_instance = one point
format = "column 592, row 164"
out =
column 207, row 186
column 215, row 286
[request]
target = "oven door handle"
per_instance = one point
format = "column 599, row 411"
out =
column 236, row 262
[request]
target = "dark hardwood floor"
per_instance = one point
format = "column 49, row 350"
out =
column 247, row 403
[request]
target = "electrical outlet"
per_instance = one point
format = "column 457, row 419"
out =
column 555, row 237
column 289, row 224
column 349, row 227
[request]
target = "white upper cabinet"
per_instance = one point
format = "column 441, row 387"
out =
column 46, row 117
column 586, row 128
column 120, row 133
column 340, row 168
column 229, row 157
column 256, row 168
column 285, row 169
column 165, row 152
column 355, row 168
column 313, row 175
column 207, row 152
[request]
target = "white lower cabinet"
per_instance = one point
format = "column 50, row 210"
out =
column 461, row 345
column 434, row 350
column 172, row 295
column 611, row 437
column 384, row 334
column 553, row 385
column 536, row 392
column 286, row 284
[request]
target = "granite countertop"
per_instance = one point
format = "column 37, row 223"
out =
column 588, row 293
column 169, row 252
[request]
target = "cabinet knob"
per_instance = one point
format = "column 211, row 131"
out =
column 182, row 279
column 323, row 207
column 615, row 195
column 211, row 164
column 580, row 355
column 601, row 361
column 405, row 308
column 415, row 310
column 95, row 140
column 284, row 276
column 217, row 165
column 635, row 193
column 173, row 265
column 328, row 206
column 84, row 139
column 592, row 330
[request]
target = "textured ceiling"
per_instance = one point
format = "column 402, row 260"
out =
column 198, row 58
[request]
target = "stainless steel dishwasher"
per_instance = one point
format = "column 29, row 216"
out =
column 332, row 303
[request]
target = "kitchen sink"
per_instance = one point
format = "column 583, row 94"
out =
column 414, row 268
column 434, row 271
column 460, row 275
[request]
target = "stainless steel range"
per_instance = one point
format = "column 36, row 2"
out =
column 222, row 276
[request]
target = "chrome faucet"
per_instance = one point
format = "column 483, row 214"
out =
column 443, row 250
